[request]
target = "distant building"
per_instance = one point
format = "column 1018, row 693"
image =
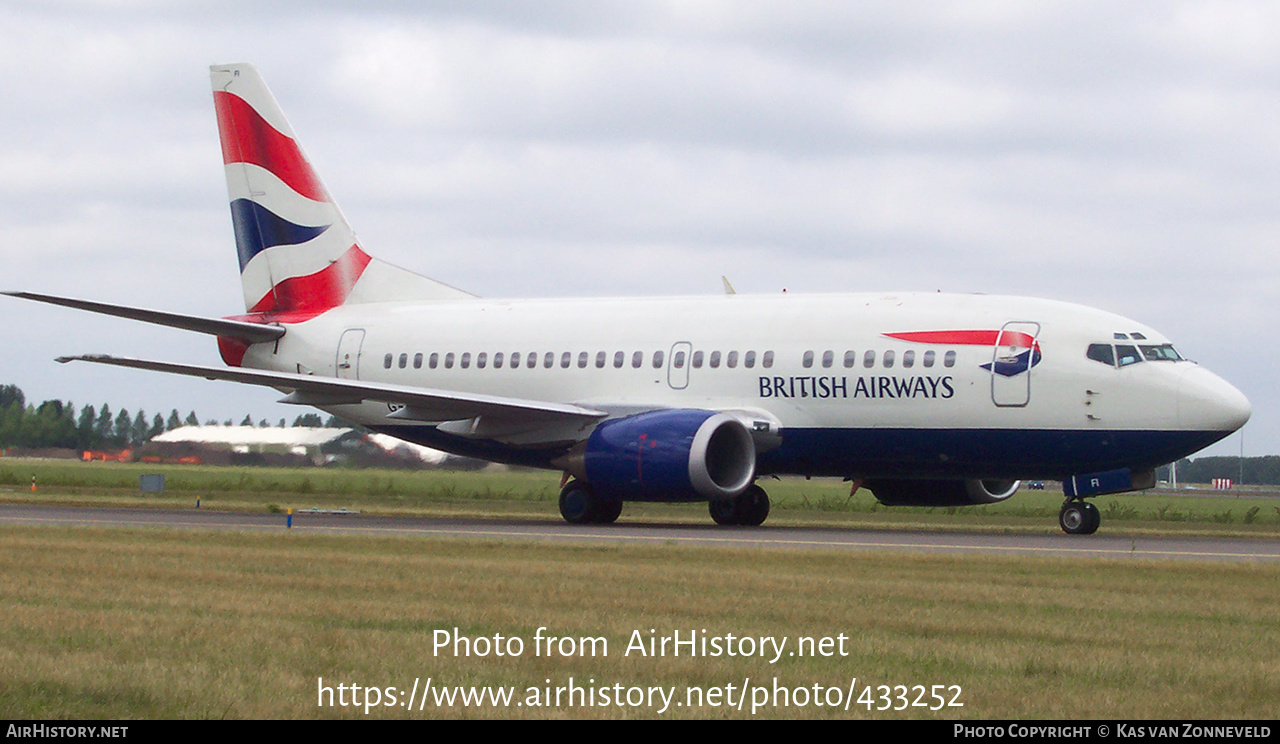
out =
column 428, row 456
column 292, row 446
column 251, row 445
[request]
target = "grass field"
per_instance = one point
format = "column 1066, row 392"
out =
column 534, row 494
column 191, row 624
column 116, row 623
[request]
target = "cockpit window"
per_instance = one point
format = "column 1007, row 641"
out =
column 1127, row 355
column 1123, row 355
column 1161, row 353
column 1102, row 353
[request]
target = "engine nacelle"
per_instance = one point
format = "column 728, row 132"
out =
column 675, row 455
column 941, row 492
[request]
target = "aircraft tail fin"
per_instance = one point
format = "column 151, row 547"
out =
column 298, row 254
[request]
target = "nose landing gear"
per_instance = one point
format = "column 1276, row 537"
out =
column 1079, row 517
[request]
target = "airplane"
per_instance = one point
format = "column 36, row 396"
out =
column 926, row 399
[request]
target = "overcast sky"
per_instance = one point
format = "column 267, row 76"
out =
column 1119, row 155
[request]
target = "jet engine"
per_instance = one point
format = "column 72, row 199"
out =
column 673, row 455
column 941, row 492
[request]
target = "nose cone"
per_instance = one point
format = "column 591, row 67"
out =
column 1207, row 402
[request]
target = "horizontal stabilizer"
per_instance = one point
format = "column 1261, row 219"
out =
column 438, row 405
column 251, row 333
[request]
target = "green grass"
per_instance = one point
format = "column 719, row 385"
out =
column 118, row 623
column 532, row 495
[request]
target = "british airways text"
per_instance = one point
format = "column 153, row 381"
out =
column 879, row 387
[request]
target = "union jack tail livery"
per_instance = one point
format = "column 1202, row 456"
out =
column 298, row 256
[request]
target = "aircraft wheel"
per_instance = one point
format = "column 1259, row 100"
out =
column 1075, row 518
column 607, row 510
column 723, row 511
column 578, row 503
column 750, row 508
column 1095, row 518
column 753, row 506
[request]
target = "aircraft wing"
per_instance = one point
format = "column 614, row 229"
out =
column 417, row 404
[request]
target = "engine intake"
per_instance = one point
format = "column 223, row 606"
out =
column 674, row 455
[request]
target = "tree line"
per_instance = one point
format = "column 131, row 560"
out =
column 1255, row 471
column 58, row 424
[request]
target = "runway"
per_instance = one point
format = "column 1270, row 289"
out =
column 782, row 537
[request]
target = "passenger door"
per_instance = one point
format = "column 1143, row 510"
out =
column 1012, row 358
column 348, row 361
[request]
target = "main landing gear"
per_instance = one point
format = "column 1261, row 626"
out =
column 580, row 504
column 748, row 509
column 1079, row 517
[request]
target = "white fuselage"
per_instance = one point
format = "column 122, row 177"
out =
column 823, row 370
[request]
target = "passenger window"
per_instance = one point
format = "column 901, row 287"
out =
column 715, row 360
column 850, row 358
column 433, row 361
column 658, row 356
column 678, row 360
column 497, row 360
column 909, row 359
column 600, row 357
column 949, row 359
column 869, row 359
column 549, row 360
column 466, row 360
column 731, row 360
column 889, row 358
column 386, row 360
column 808, row 359
column 481, row 359
column 749, row 360
column 828, row 358
column 417, row 360
column 697, row 360
column 448, row 360
column 1102, row 353
column 637, row 359
column 928, row 358
column 404, row 361
column 583, row 357
column 767, row 360
column 1127, row 355
column 532, row 360
column 515, row 359
column 565, row 360
column 618, row 358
